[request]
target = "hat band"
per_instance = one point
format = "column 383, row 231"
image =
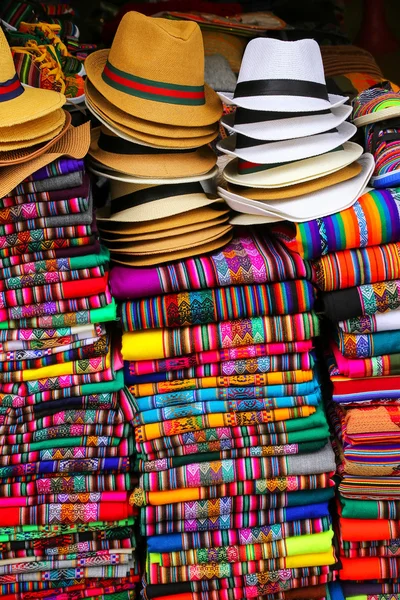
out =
column 153, row 90
column 281, row 87
column 10, row 89
column 243, row 116
column 151, row 194
column 243, row 141
column 116, row 145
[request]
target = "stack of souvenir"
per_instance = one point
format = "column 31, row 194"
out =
column 157, row 118
column 65, row 442
column 234, row 460
column 290, row 143
column 356, row 263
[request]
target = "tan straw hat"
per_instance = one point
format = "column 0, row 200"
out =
column 147, row 260
column 18, row 145
column 299, row 189
column 23, row 155
column 74, row 143
column 131, row 203
column 143, row 161
column 36, row 128
column 19, row 104
column 141, row 128
column 155, row 71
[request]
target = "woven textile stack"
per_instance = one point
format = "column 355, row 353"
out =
column 355, row 259
column 233, row 445
column 65, row 443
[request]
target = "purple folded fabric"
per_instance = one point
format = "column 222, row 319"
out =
column 62, row 166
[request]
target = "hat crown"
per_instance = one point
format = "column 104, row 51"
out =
column 10, row 85
column 266, row 59
column 159, row 50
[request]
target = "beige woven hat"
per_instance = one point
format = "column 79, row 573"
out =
column 23, row 155
column 142, row 129
column 182, row 221
column 133, row 203
column 19, row 104
column 36, row 128
column 299, row 189
column 162, row 80
column 18, row 145
column 146, row 260
column 103, row 171
column 143, row 161
column 74, row 143
column 150, row 140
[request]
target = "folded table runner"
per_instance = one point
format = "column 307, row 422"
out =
column 71, row 179
column 379, row 297
column 13, row 213
column 61, row 166
column 378, row 322
column 369, row 568
column 55, row 277
column 81, row 191
column 367, row 345
column 220, row 304
column 370, row 509
column 85, row 247
column 349, row 268
column 388, row 364
column 247, row 259
column 373, row 220
column 163, row 343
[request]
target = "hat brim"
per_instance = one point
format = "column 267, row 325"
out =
column 289, row 128
column 283, row 103
column 148, row 140
column 299, row 189
column 145, row 261
column 18, row 145
column 321, row 203
column 37, row 127
column 102, row 171
column 197, row 215
column 159, row 209
column 74, row 143
column 239, row 220
column 379, row 115
column 296, row 172
column 163, row 166
column 32, row 104
column 140, row 128
column 286, row 151
column 23, row 155
column 159, row 112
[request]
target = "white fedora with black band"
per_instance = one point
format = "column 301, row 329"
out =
column 282, row 76
column 275, row 126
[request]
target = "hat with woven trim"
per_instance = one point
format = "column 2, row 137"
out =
column 283, row 77
column 255, row 175
column 36, row 128
column 143, row 161
column 193, row 250
column 297, row 190
column 162, row 80
column 74, row 143
column 142, row 129
column 19, row 104
column 377, row 103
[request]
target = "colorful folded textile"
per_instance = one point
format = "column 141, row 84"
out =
column 355, row 345
column 377, row 322
column 366, row 299
column 365, row 367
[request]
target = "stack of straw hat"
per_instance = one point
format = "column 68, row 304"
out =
column 158, row 117
column 31, row 120
column 292, row 156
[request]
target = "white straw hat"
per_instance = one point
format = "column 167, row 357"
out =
column 267, row 125
column 325, row 201
column 282, row 76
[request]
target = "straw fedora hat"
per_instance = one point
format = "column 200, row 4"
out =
column 141, row 128
column 103, row 171
column 162, row 80
column 180, row 221
column 299, row 189
column 19, row 104
column 18, row 145
column 264, row 125
column 143, row 161
column 194, row 250
column 75, row 143
column 131, row 203
column 147, row 139
column 251, row 175
column 36, row 128
column 263, row 152
column 320, row 203
column 26, row 154
column 283, row 77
